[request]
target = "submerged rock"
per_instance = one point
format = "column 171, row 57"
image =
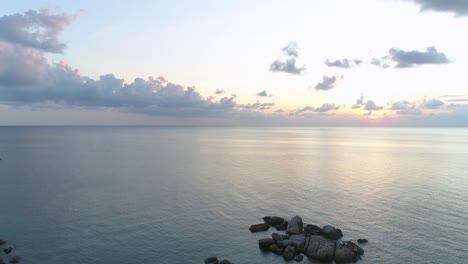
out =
column 15, row 259
column 225, row 261
column 2, row 242
column 362, row 240
column 211, row 260
column 295, row 226
column 8, row 250
column 259, row 227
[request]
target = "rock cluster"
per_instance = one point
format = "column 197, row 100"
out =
column 309, row 240
column 7, row 251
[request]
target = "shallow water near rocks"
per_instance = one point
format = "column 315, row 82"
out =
column 182, row 194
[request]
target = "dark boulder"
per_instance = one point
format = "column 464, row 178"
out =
column 273, row 248
column 225, row 261
column 282, row 227
column 331, row 232
column 289, row 252
column 275, row 220
column 211, row 260
column 15, row 259
column 362, row 240
column 356, row 249
column 277, row 237
column 312, row 229
column 259, row 227
column 266, row 242
column 295, row 226
column 299, row 258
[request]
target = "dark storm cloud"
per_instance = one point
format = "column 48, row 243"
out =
column 458, row 7
column 288, row 63
column 35, row 29
column 328, row 82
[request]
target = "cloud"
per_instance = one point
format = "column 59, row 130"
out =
column 432, row 104
column 220, row 91
column 458, row 7
column 264, row 94
column 372, row 106
column 359, row 103
column 458, row 100
column 288, row 63
column 322, row 109
column 343, row 63
column 406, row 108
column 258, row 106
column 21, row 66
column 406, row 59
column 328, row 82
column 33, row 29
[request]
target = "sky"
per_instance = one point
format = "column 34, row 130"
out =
column 298, row 63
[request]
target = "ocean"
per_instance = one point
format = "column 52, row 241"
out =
column 182, row 194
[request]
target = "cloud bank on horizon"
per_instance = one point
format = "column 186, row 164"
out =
column 28, row 78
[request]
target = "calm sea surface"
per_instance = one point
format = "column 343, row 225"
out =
column 180, row 194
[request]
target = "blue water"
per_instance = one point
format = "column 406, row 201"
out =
column 181, row 194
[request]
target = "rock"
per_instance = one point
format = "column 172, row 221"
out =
column 312, row 229
column 267, row 220
column 8, row 250
column 295, row 226
column 266, row 242
column 299, row 258
column 277, row 237
column 356, row 249
column 15, row 259
column 289, row 252
column 2, row 242
column 362, row 240
column 212, row 260
column 259, row 227
column 275, row 220
column 285, row 236
column 225, row 261
column 273, row 248
column 1, row 260
column 291, row 242
column 331, row 232
column 282, row 227
column 319, row 248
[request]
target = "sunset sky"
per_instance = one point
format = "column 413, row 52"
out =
column 317, row 63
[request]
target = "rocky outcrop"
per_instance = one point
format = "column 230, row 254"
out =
column 295, row 226
column 362, row 241
column 312, row 241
